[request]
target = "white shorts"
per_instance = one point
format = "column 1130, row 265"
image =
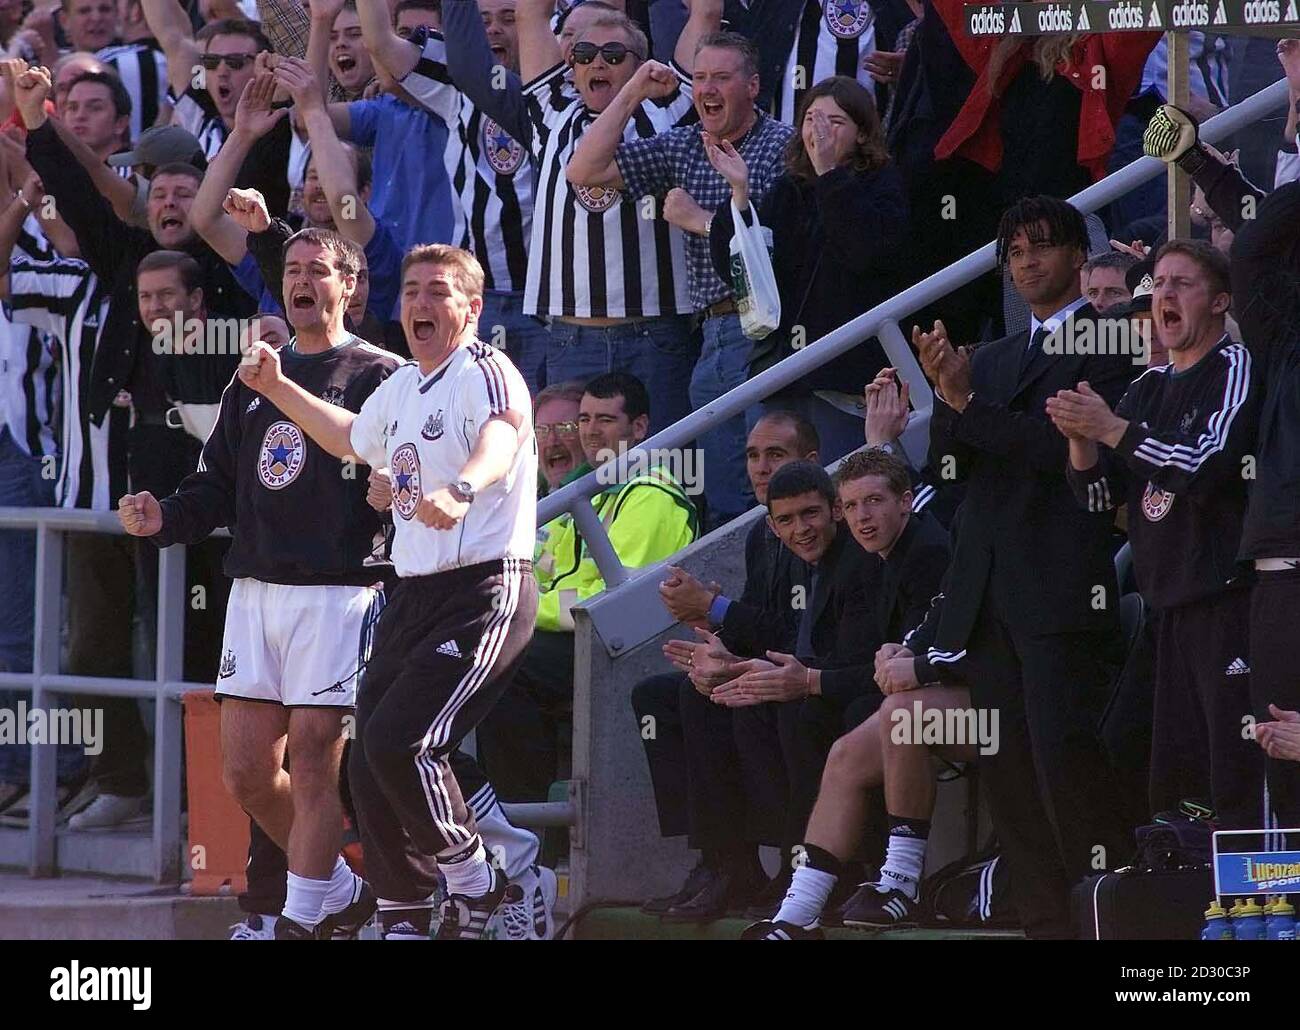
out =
column 298, row 646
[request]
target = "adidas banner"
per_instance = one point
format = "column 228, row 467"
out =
column 1278, row 18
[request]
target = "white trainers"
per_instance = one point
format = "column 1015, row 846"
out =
column 106, row 811
column 254, row 928
column 527, row 913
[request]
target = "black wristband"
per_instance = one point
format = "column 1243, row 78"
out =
column 1195, row 161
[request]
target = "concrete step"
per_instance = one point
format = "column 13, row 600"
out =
column 93, row 909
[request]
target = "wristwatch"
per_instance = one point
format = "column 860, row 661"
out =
column 463, row 490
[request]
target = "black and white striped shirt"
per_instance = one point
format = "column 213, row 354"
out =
column 62, row 297
column 593, row 253
column 29, row 387
column 818, row 52
column 491, row 176
column 195, row 112
column 142, row 67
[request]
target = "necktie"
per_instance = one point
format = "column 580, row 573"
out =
column 803, row 641
column 1035, row 345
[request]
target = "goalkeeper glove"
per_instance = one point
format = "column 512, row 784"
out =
column 1172, row 137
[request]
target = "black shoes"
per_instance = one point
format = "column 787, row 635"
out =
column 695, row 881
column 873, row 906
column 465, row 918
column 721, row 892
column 345, row 924
column 767, row 930
column 287, row 930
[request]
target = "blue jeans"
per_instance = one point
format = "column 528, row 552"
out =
column 659, row 351
column 723, row 365
column 525, row 337
column 21, row 486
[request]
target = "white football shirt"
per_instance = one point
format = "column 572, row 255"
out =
column 423, row 429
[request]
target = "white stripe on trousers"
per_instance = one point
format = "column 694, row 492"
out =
column 431, row 769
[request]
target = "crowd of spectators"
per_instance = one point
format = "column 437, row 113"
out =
column 155, row 155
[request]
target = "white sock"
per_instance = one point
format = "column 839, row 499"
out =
column 304, row 899
column 804, row 901
column 513, row 848
column 903, row 864
column 344, row 886
column 471, row 876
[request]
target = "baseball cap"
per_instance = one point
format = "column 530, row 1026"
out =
column 161, row 145
column 1140, row 280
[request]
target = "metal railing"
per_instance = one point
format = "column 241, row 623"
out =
column 167, row 685
column 882, row 321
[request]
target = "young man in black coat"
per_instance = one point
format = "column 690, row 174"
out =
column 875, row 495
column 692, row 759
column 1033, row 603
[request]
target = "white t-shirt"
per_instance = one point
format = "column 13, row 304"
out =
column 423, row 429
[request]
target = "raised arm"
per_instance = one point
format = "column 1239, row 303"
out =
column 496, row 91
column 328, row 424
column 171, row 27
column 593, row 161
column 385, row 46
column 11, row 225
column 539, row 50
column 323, row 15
column 98, row 230
column 253, row 120
column 705, row 17
column 334, row 165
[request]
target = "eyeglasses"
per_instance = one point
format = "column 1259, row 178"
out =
column 544, row 432
column 233, row 61
column 613, row 53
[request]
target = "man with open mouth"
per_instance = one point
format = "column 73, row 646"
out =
column 207, row 72
column 1174, row 447
column 160, row 452
column 464, row 71
column 462, row 612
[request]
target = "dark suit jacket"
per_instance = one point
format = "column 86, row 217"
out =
column 1024, row 544
column 844, row 636
column 764, row 617
column 911, row 577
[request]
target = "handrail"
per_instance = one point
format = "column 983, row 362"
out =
column 885, row 317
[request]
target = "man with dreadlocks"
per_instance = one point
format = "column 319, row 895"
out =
column 1032, row 604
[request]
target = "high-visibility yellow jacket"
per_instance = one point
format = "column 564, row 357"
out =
column 647, row 518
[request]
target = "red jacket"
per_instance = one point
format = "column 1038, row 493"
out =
column 975, row 133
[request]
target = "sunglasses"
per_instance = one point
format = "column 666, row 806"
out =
column 612, row 53
column 544, row 431
column 233, row 61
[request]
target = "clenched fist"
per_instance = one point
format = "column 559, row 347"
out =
column 260, row 369
column 140, row 514
column 248, row 209
column 440, row 509
column 379, row 493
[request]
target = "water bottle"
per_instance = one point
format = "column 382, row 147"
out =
column 1280, row 922
column 1248, row 924
column 1217, row 927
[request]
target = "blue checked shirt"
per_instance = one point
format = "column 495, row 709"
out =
column 653, row 166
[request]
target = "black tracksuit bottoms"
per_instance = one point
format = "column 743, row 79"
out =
column 445, row 649
column 1201, row 747
column 1274, row 679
